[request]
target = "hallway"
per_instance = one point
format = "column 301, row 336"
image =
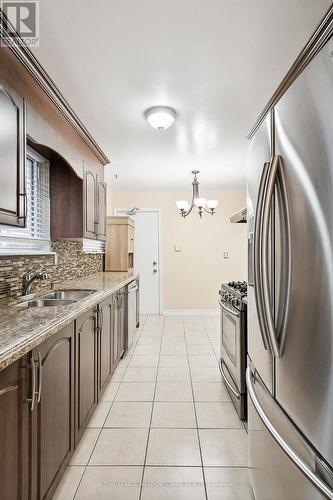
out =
column 166, row 428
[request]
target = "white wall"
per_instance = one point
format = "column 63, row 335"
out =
column 191, row 279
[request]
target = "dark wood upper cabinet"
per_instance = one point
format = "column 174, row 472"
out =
column 12, row 158
column 14, row 432
column 101, row 210
column 86, row 384
column 78, row 206
column 90, row 204
column 52, row 422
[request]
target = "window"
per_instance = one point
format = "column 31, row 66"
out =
column 36, row 236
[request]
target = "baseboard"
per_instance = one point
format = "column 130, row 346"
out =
column 191, row 312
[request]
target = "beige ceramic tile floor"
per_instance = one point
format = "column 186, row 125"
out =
column 165, row 428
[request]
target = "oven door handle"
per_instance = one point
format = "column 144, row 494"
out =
column 236, row 393
column 229, row 310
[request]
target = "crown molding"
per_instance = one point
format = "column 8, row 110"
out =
column 316, row 42
column 24, row 54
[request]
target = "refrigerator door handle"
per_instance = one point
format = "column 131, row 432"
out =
column 257, row 250
column 287, row 260
column 275, row 175
column 297, row 461
column 270, row 323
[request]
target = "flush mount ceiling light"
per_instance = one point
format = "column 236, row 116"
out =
column 186, row 208
column 160, row 117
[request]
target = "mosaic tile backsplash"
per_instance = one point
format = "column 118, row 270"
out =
column 72, row 263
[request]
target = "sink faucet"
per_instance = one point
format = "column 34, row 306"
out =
column 28, row 279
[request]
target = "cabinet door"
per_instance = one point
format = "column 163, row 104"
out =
column 101, row 210
column 115, row 328
column 53, row 419
column 105, row 338
column 121, row 322
column 12, row 159
column 14, row 427
column 86, row 371
column 89, row 205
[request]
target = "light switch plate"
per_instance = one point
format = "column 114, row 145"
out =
column 178, row 248
column 225, row 255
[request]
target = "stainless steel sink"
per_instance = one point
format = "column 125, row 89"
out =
column 68, row 294
column 43, row 302
column 56, row 298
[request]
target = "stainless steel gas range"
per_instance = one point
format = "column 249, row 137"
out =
column 232, row 299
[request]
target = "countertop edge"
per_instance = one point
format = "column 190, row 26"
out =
column 20, row 349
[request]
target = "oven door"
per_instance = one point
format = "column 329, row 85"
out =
column 231, row 366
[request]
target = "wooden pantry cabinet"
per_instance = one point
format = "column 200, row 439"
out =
column 119, row 255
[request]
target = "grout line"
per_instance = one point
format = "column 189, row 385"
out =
column 101, row 428
column 196, row 419
column 151, row 416
column 162, row 338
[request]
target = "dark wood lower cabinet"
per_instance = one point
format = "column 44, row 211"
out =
column 52, row 420
column 48, row 397
column 121, row 333
column 14, row 432
column 86, row 370
column 105, row 344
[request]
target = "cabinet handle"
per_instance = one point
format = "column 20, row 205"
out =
column 33, row 378
column 25, row 213
column 12, row 388
column 40, row 377
column 100, row 320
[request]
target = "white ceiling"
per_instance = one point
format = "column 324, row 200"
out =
column 217, row 62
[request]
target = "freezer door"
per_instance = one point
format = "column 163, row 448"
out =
column 258, row 157
column 304, row 139
column 273, row 475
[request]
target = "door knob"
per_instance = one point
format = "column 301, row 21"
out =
column 154, row 270
column 154, row 263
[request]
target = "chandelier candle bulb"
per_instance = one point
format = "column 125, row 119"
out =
column 185, row 208
column 200, row 202
column 211, row 204
column 183, row 205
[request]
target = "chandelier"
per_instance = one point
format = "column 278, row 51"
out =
column 186, row 208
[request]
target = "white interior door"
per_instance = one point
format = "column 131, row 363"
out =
column 146, row 257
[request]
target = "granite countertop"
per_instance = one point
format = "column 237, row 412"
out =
column 23, row 329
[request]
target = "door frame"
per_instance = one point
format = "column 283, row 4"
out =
column 121, row 211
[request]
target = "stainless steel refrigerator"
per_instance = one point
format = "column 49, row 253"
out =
column 290, row 293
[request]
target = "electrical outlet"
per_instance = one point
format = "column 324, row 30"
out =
column 178, row 248
column 225, row 255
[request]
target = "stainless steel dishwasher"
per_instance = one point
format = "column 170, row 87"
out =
column 132, row 289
